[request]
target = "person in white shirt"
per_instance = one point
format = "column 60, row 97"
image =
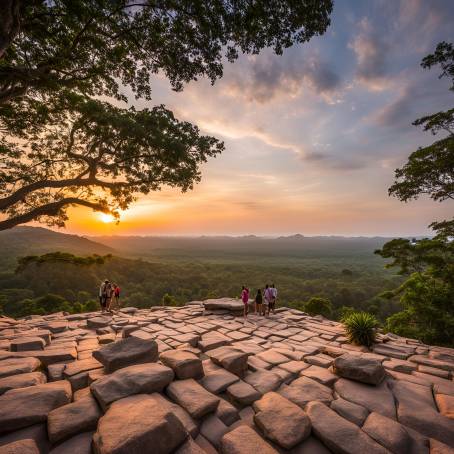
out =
column 273, row 292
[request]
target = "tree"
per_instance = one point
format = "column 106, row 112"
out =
column 96, row 46
column 318, row 306
column 99, row 156
column 427, row 295
column 61, row 147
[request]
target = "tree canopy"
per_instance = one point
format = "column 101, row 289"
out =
column 63, row 146
column 99, row 156
column 427, row 295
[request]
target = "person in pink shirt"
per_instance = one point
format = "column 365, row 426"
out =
column 245, row 299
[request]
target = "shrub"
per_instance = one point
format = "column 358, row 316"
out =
column 360, row 328
column 318, row 306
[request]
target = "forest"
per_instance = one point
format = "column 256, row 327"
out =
column 174, row 271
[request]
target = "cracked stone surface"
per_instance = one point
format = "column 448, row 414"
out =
column 200, row 379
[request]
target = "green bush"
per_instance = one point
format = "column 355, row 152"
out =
column 360, row 328
column 318, row 306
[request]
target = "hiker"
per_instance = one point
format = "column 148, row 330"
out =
column 266, row 301
column 258, row 302
column 273, row 291
column 103, row 295
column 245, row 299
column 116, row 296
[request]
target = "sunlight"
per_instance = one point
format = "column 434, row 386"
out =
column 106, row 218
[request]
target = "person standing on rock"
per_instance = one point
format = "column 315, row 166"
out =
column 103, row 295
column 258, row 302
column 116, row 296
column 273, row 291
column 245, row 299
column 266, row 301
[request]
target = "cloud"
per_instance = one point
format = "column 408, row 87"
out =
column 371, row 52
column 264, row 79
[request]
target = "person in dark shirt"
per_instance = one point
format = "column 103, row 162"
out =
column 258, row 302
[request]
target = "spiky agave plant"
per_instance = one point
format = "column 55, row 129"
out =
column 360, row 328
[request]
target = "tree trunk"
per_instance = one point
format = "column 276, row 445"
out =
column 9, row 23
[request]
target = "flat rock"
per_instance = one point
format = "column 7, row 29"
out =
column 227, row 413
column 310, row 446
column 360, row 369
column 21, row 381
column 273, row 357
column 98, row 322
column 127, row 352
column 218, row 381
column 14, row 366
column 338, row 434
column 27, row 343
column 37, row 432
column 184, row 364
column 416, row 409
column 231, row 359
column 69, row 420
column 20, row 447
column 138, row 379
column 445, row 405
column 213, row 429
column 195, row 399
column 133, row 423
column 190, row 447
column 374, row 398
column 24, row 407
column 244, row 440
column 243, row 393
column 303, row 390
column 281, row 420
column 79, row 444
column 263, row 381
column 320, row 374
column 352, row 412
column 392, row 435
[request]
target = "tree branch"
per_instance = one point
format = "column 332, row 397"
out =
column 50, row 209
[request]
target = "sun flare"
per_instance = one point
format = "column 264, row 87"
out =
column 106, row 218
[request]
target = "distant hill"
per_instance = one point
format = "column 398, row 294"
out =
column 22, row 241
column 206, row 247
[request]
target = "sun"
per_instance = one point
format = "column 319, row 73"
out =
column 106, row 218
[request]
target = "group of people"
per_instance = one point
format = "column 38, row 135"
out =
column 264, row 301
column 109, row 296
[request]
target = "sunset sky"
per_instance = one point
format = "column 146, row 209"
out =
column 312, row 137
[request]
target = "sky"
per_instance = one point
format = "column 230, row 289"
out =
column 312, row 137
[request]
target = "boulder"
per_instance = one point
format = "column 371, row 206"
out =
column 184, row 364
column 338, row 434
column 20, row 447
column 195, row 399
column 138, row 379
column 127, row 352
column 24, row 407
column 69, row 420
column 21, row 381
column 135, row 423
column 281, row 420
column 360, row 369
column 244, row 440
column 230, row 358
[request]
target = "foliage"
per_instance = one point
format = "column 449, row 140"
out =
column 427, row 295
column 318, row 306
column 95, row 47
column 168, row 300
column 96, row 155
column 360, row 328
column 62, row 257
